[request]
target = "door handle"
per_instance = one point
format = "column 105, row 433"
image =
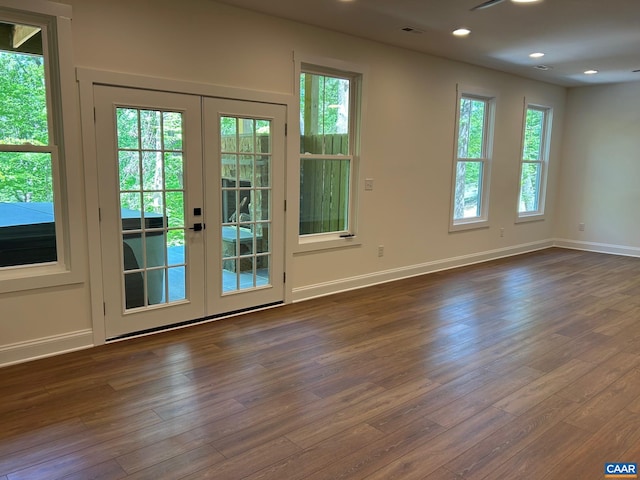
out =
column 197, row 227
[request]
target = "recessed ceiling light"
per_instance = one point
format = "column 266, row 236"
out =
column 525, row 1
column 536, row 55
column 461, row 32
column 590, row 72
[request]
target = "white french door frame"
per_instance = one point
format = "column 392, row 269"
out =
column 87, row 79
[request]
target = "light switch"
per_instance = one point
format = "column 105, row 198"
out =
column 368, row 184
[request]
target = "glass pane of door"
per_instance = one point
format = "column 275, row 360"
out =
column 152, row 205
column 246, row 189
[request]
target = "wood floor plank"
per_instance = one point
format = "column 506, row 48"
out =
column 28, row 441
column 240, row 440
column 180, row 465
column 489, row 453
column 109, row 470
column 587, row 460
column 524, row 367
column 612, row 324
column 158, row 452
column 542, row 456
column 479, row 399
column 539, row 389
column 250, row 462
column 408, row 412
column 597, row 411
column 326, row 427
column 444, row 447
column 50, row 450
column 601, row 377
column 362, row 463
column 301, row 465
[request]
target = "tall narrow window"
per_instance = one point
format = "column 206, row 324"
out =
column 28, row 150
column 535, row 154
column 327, row 119
column 472, row 162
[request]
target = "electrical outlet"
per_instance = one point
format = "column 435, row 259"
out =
column 501, row 232
column 581, row 227
column 381, row 250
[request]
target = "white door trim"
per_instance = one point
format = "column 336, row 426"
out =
column 87, row 78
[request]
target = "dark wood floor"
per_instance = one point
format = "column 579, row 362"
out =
column 523, row 368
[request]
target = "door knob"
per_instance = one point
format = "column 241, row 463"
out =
column 197, row 227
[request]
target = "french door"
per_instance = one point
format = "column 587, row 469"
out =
column 191, row 194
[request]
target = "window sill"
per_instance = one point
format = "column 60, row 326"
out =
column 35, row 277
column 532, row 217
column 315, row 243
column 468, row 225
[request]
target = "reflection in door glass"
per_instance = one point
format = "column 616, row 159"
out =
column 152, row 206
column 245, row 160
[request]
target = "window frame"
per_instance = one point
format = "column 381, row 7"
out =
column 543, row 162
column 490, row 99
column 55, row 21
column 355, row 75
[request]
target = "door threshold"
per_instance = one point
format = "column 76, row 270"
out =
column 189, row 323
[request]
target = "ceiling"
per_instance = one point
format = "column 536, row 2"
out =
column 575, row 35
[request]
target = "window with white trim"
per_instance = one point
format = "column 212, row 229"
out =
column 35, row 234
column 535, row 155
column 474, row 138
column 328, row 111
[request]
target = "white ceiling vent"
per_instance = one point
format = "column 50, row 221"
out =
column 411, row 30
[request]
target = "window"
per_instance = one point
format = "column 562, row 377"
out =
column 36, row 97
column 327, row 120
column 27, row 148
column 535, row 154
column 472, row 161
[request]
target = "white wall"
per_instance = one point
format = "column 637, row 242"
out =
column 407, row 144
column 601, row 170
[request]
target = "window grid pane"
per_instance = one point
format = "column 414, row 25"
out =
column 245, row 154
column 533, row 135
column 152, row 205
column 530, row 187
column 324, row 195
column 23, row 99
column 471, row 129
column 468, row 190
column 324, row 114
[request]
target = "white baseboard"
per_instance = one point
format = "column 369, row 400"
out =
column 598, row 247
column 45, row 347
column 59, row 344
column 351, row 283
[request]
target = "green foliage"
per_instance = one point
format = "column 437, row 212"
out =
column 529, row 187
column 324, row 110
column 532, row 156
column 534, row 124
column 471, row 128
column 151, row 165
column 23, row 103
column 24, row 176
